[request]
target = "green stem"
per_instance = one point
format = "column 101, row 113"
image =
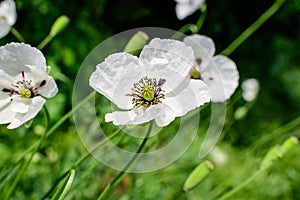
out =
column 251, row 29
column 239, row 187
column 120, row 176
column 69, row 114
column 27, row 163
column 278, row 132
column 45, row 42
column 17, row 34
column 63, row 190
column 81, row 160
column 200, row 21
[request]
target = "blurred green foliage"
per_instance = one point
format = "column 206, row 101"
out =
column 271, row 55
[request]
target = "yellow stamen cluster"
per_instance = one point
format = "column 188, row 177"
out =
column 147, row 92
column 25, row 93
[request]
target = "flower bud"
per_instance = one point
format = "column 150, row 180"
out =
column 59, row 25
column 198, row 175
column 136, row 43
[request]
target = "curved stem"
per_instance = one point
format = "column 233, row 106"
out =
column 120, row 176
column 27, row 163
column 251, row 29
column 201, row 20
column 17, row 34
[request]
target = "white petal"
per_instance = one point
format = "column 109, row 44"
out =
column 4, row 100
column 179, row 56
column 222, row 77
column 133, row 116
column 5, row 81
column 8, row 11
column 200, row 44
column 4, row 28
column 186, row 8
column 192, row 94
column 20, row 105
column 15, row 56
column 114, row 78
column 49, row 89
column 6, row 115
column 34, row 108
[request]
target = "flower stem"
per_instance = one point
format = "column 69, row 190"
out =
column 251, row 29
column 278, row 132
column 194, row 28
column 121, row 175
column 17, row 34
column 26, row 163
column 239, row 187
column 45, row 42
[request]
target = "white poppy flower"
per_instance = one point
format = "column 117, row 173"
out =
column 23, row 80
column 218, row 72
column 250, row 89
column 153, row 86
column 8, row 16
column 185, row 8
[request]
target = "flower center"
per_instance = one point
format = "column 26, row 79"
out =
column 24, row 88
column 195, row 74
column 147, row 92
column 25, row 93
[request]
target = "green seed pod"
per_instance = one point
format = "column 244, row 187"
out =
column 288, row 144
column 198, row 175
column 270, row 157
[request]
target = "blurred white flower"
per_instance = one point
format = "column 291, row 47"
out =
column 8, row 16
column 250, row 89
column 219, row 156
column 153, row 86
column 185, row 8
column 23, row 79
column 218, row 72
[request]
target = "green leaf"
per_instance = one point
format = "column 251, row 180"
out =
column 64, row 186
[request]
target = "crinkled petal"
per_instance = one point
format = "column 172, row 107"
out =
column 201, row 45
column 20, row 118
column 6, row 114
column 185, row 8
column 191, row 95
column 16, row 57
column 8, row 11
column 222, row 77
column 114, row 78
column 133, row 116
column 5, row 81
column 4, row 28
column 176, row 54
